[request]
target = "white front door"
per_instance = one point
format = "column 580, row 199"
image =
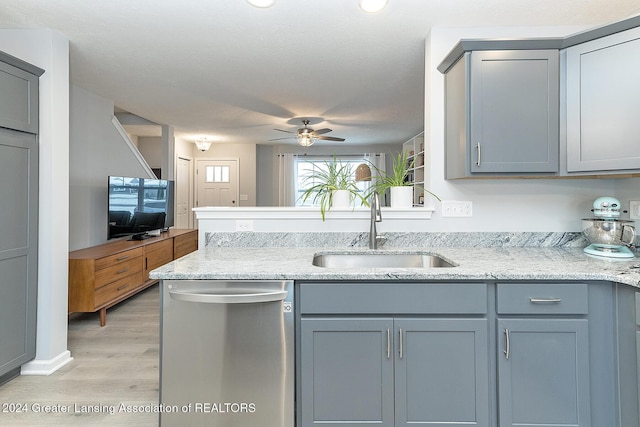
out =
column 217, row 182
column 184, row 193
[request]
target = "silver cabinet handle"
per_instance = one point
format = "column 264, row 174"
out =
column 478, row 149
column 400, row 343
column 545, row 300
column 507, row 346
column 388, row 343
column 229, row 298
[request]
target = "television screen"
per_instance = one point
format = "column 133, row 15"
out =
column 138, row 206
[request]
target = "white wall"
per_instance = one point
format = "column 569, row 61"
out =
column 151, row 150
column 96, row 150
column 49, row 50
column 503, row 204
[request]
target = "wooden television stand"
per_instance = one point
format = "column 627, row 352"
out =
column 102, row 276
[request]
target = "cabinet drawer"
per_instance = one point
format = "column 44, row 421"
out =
column 393, row 298
column 542, row 298
column 120, row 257
column 115, row 272
column 121, row 286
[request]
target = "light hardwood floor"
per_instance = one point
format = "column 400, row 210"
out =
column 112, row 366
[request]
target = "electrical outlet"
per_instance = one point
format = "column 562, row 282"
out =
column 457, row 209
column 634, row 209
column 244, row 225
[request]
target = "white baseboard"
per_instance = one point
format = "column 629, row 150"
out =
column 46, row 367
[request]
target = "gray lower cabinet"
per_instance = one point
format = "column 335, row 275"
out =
column 502, row 113
column 392, row 354
column 441, row 372
column 543, row 354
column 543, row 373
column 603, row 100
column 18, row 213
column 347, row 372
column 359, row 371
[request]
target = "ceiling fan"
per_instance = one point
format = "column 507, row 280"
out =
column 307, row 136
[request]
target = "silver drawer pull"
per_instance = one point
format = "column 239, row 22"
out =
column 507, row 344
column 123, row 287
column 545, row 300
column 124, row 270
column 122, row 258
column 388, row 343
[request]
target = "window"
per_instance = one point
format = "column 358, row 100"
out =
column 304, row 166
column 216, row 174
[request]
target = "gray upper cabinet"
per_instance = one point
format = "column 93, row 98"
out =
column 20, row 86
column 502, row 113
column 603, row 101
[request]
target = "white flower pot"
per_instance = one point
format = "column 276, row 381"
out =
column 341, row 199
column 402, row 197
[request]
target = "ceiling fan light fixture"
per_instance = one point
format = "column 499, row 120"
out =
column 203, row 144
column 261, row 3
column 372, row 6
column 305, row 140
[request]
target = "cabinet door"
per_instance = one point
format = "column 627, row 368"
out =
column 346, row 371
column 514, row 101
column 156, row 255
column 19, row 101
column 442, row 372
column 603, row 100
column 18, row 248
column 543, row 373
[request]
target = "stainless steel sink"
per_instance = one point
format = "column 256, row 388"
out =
column 380, row 260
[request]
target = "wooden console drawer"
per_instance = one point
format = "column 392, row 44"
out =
column 109, row 261
column 542, row 298
column 103, row 275
column 115, row 289
column 117, row 271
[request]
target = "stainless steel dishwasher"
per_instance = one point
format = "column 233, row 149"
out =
column 226, row 353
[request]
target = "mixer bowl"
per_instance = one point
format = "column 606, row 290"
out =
column 609, row 231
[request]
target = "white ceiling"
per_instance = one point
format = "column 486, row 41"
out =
column 234, row 72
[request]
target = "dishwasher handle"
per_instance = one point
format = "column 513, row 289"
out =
column 229, row 298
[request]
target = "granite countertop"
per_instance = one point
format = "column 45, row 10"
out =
column 473, row 263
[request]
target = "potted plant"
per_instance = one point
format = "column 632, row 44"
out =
column 397, row 181
column 332, row 186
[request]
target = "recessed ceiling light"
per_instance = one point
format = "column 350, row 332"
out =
column 261, row 3
column 372, row 6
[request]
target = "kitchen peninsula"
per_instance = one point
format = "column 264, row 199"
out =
column 539, row 330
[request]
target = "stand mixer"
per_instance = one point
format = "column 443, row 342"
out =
column 605, row 232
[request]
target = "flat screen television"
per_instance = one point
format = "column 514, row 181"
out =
column 138, row 206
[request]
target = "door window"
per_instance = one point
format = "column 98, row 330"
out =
column 216, row 174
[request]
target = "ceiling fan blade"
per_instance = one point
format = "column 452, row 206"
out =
column 321, row 131
column 329, row 138
column 287, row 131
column 280, row 139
